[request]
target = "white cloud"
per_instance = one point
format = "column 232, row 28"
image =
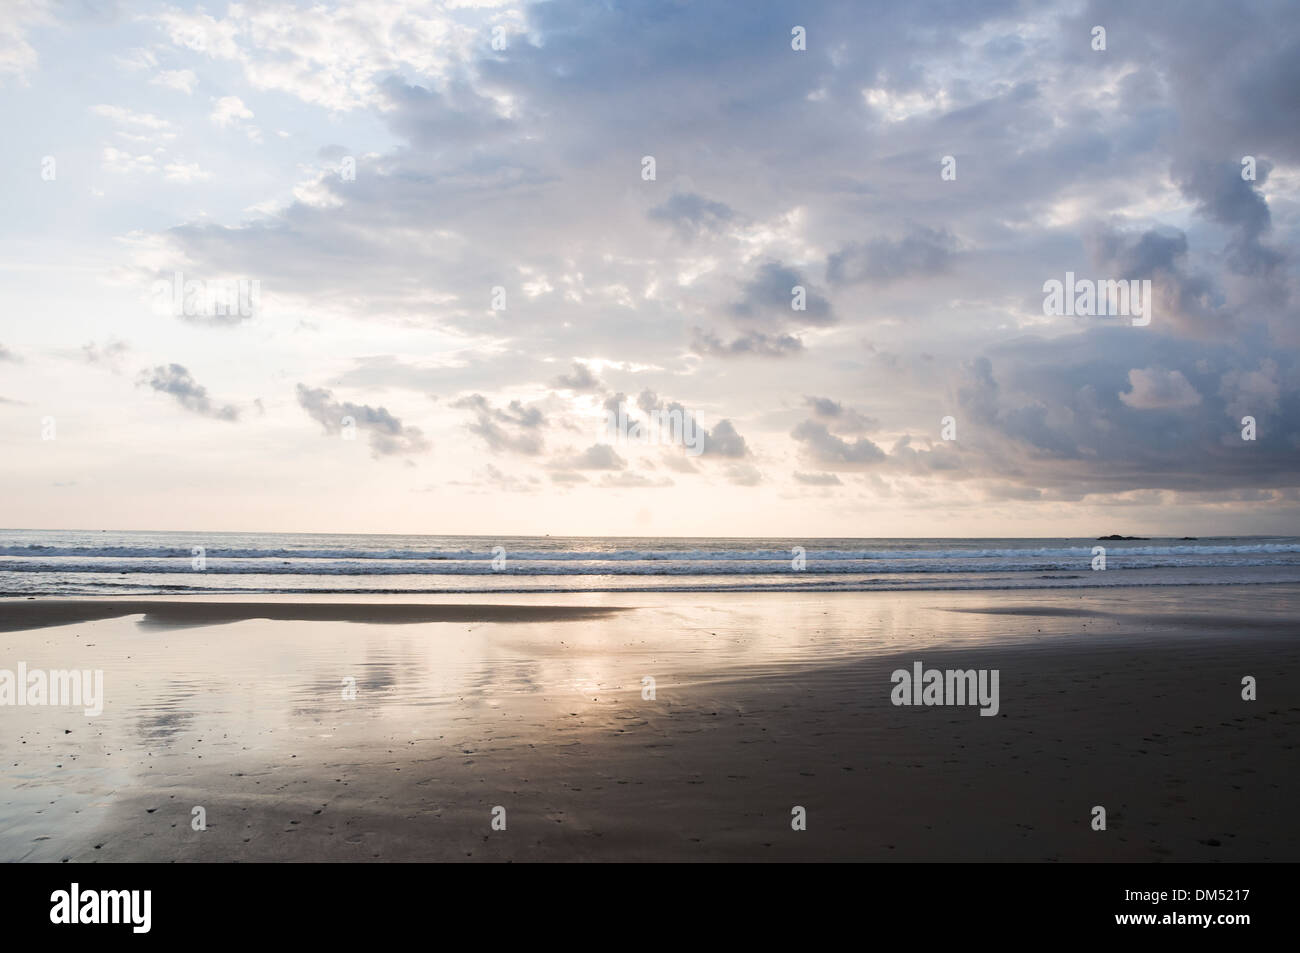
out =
column 128, row 117
column 230, row 109
column 124, row 163
column 17, row 56
column 335, row 56
column 1154, row 388
column 185, row 172
column 178, row 79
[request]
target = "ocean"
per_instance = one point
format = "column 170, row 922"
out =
column 84, row 562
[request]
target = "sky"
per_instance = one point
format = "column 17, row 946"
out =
column 398, row 266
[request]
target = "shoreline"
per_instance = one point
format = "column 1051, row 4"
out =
column 813, row 588
column 384, row 607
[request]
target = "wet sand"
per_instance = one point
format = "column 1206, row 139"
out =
column 39, row 613
column 762, row 703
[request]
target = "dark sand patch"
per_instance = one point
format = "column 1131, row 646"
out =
column 36, row 614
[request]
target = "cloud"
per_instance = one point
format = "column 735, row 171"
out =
column 628, row 480
column 130, row 118
column 724, row 441
column 520, row 168
column 582, row 379
column 1223, row 196
column 109, row 355
column 388, row 435
column 749, row 344
column 743, row 474
column 18, row 57
column 771, row 293
column 176, row 381
column 185, row 172
column 824, row 448
column 564, row 477
column 817, row 479
column 1252, row 392
column 839, row 418
column 335, row 57
column 229, row 110
column 600, row 456
column 1188, row 300
column 492, row 479
column 514, row 429
column 122, row 162
column 1071, row 415
column 691, row 214
column 1154, row 388
column 922, row 253
column 457, row 113
column 181, row 80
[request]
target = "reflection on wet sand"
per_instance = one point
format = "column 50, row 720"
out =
column 332, row 739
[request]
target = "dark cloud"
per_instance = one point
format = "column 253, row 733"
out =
column 580, row 379
column 175, row 380
column 817, row 479
column 770, row 294
column 723, row 441
column 599, row 456
column 922, row 253
column 514, row 428
column 1185, row 298
column 648, row 400
column 388, row 435
column 456, row 115
column 749, row 344
column 692, row 214
column 839, row 418
column 1108, row 410
column 1223, row 196
column 824, row 448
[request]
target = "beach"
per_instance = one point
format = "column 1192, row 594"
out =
column 557, row 431
column 667, row 726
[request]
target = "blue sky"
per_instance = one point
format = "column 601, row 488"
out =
column 498, row 156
